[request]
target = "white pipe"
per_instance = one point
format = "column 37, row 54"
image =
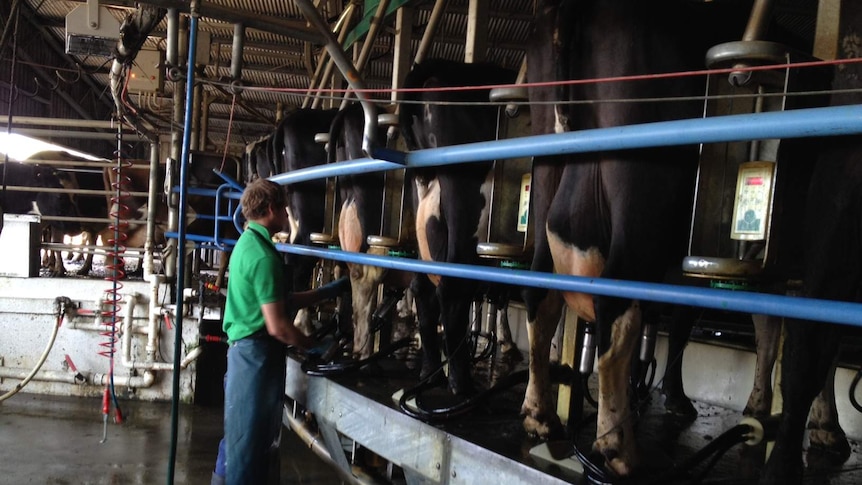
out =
column 191, row 356
column 43, row 375
column 142, row 381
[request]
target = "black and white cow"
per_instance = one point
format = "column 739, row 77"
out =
column 614, row 214
column 451, row 203
column 40, row 202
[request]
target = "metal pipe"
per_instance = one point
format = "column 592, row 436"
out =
column 809, row 122
column 760, row 303
column 181, row 240
column 173, row 36
column 315, row 81
column 342, row 27
column 430, row 30
column 319, row 449
column 57, row 190
column 42, row 375
column 758, row 20
column 236, row 52
column 347, row 69
column 170, row 258
column 273, row 25
column 63, row 122
column 368, row 45
column 87, row 135
column 152, row 204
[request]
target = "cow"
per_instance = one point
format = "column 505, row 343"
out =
column 294, row 148
column 612, row 214
column 258, row 152
column 40, row 202
column 451, row 202
column 833, row 270
column 360, row 216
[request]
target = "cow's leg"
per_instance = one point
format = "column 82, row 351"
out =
column 824, row 430
column 767, row 330
column 676, row 402
column 540, row 417
column 364, row 281
column 87, row 238
column 428, row 315
column 504, row 332
column 454, row 295
column 57, row 267
column 615, row 430
column 808, row 351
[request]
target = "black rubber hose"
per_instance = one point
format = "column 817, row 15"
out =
column 558, row 374
column 853, row 386
column 315, row 368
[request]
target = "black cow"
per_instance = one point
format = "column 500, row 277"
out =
column 451, row 203
column 833, row 270
column 361, row 208
column 614, row 214
column 294, row 148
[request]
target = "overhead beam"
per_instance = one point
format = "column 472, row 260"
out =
column 274, row 25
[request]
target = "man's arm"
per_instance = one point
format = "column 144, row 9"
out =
column 303, row 299
column 281, row 328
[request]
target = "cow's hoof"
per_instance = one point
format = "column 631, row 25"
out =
column 545, row 429
column 679, row 407
column 828, row 447
column 510, row 353
column 619, row 459
column 780, row 474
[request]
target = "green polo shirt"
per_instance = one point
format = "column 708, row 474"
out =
column 256, row 278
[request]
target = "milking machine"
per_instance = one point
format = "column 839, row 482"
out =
column 502, row 244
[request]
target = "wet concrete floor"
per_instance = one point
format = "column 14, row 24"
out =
column 55, row 440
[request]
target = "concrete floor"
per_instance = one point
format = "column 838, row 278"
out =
column 55, row 440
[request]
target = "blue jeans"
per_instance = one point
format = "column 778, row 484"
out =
column 254, row 403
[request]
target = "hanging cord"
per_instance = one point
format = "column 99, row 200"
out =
column 115, row 272
column 60, row 305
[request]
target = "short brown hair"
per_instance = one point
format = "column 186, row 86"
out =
column 259, row 196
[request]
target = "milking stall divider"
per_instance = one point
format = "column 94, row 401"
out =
column 425, row 453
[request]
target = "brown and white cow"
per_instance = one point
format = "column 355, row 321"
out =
column 360, row 216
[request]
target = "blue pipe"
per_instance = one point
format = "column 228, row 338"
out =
column 761, row 303
column 181, row 238
column 809, row 122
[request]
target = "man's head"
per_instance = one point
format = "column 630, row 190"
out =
column 259, row 196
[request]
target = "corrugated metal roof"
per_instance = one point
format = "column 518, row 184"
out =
column 276, row 60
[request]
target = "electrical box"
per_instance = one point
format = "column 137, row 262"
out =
column 91, row 30
column 19, row 245
column 147, row 75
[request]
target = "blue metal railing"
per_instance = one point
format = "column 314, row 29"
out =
column 812, row 122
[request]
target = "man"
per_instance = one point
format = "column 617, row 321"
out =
column 258, row 320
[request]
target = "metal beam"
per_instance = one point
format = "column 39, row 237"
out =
column 273, row 25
